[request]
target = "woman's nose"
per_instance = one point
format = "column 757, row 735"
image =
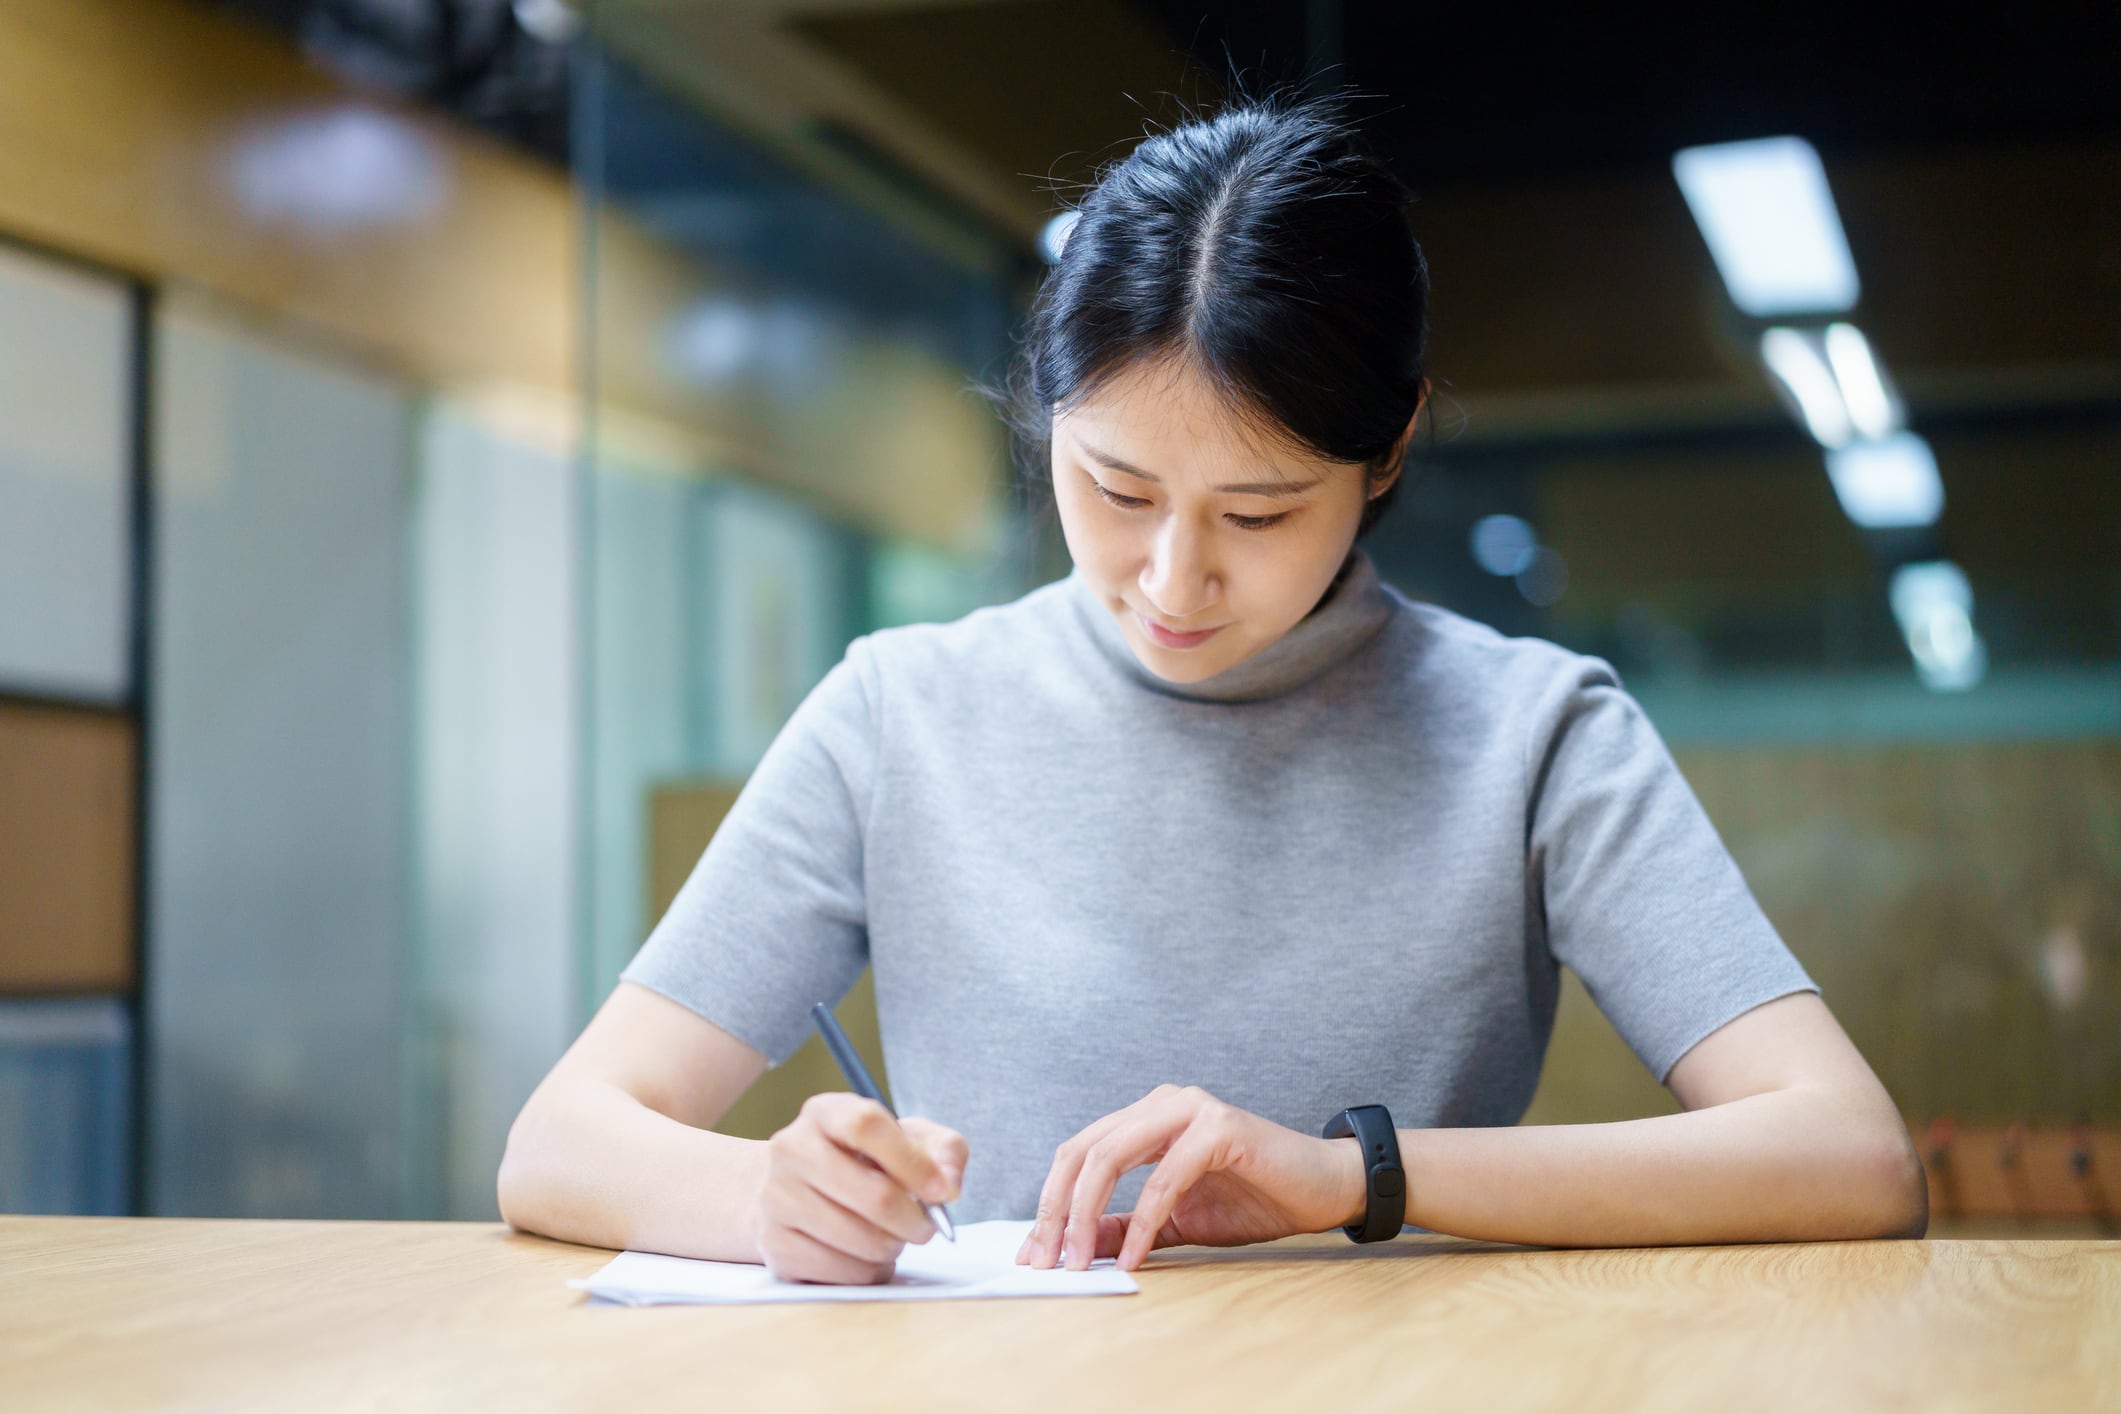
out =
column 1178, row 580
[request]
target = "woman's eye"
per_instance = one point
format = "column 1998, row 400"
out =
column 1124, row 502
column 1135, row 503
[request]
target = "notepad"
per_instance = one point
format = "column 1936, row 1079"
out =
column 982, row 1263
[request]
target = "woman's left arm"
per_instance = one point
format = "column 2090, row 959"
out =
column 1787, row 1136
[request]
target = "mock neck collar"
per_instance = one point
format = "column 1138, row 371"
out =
column 1346, row 617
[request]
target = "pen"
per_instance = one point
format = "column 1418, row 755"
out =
column 857, row 1075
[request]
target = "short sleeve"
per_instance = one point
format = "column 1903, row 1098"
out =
column 773, row 916
column 1638, row 895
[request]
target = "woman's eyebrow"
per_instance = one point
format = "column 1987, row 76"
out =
column 1242, row 488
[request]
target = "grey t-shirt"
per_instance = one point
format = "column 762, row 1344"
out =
column 1345, row 871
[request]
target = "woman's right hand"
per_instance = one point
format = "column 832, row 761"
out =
column 837, row 1204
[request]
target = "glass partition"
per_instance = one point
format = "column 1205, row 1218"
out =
column 783, row 454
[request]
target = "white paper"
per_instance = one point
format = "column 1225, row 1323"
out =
column 982, row 1263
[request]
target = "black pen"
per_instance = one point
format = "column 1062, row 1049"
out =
column 857, row 1075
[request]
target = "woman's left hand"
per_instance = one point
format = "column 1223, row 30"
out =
column 1224, row 1177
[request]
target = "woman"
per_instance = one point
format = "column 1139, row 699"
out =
column 1174, row 861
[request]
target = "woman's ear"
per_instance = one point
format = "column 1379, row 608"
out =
column 1397, row 460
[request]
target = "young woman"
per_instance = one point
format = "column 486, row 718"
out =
column 1166, row 865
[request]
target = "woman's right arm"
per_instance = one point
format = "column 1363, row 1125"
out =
column 614, row 1149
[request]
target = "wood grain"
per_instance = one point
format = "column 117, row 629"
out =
column 114, row 1314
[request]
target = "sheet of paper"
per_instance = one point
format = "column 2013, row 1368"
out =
column 982, row 1263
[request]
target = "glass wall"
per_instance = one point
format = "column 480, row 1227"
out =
column 784, row 456
column 280, row 800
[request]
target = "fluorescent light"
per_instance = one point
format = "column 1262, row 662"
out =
column 1871, row 406
column 1768, row 217
column 1796, row 360
column 724, row 342
column 550, row 21
column 1935, row 607
column 345, row 168
column 1891, row 481
column 1053, row 237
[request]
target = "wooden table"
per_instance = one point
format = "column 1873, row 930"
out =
column 129, row 1313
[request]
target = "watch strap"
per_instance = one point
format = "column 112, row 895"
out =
column 1384, row 1180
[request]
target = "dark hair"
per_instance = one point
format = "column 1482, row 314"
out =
column 1268, row 247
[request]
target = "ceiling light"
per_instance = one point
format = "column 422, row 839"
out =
column 1889, row 482
column 1872, row 409
column 1797, row 362
column 1768, row 217
column 1935, row 607
column 338, row 169
column 548, row 21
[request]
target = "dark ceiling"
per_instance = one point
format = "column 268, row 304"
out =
column 1479, row 92
column 1461, row 93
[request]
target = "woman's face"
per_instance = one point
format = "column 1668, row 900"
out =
column 1203, row 539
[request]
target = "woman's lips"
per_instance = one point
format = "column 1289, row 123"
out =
column 1165, row 638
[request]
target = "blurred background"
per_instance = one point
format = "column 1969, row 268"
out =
column 442, row 440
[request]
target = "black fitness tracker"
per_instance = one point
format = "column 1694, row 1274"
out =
column 1371, row 1127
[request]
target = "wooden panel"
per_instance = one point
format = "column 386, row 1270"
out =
column 1959, row 905
column 1750, row 530
column 66, row 850
column 682, row 818
column 2024, row 1172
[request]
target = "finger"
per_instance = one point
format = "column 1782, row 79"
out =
column 1042, row 1246
column 868, row 1193
column 814, row 1213
column 1183, row 1166
column 794, row 1255
column 945, row 1145
column 1118, row 1153
column 868, row 1129
column 1112, row 1233
column 1112, row 1230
